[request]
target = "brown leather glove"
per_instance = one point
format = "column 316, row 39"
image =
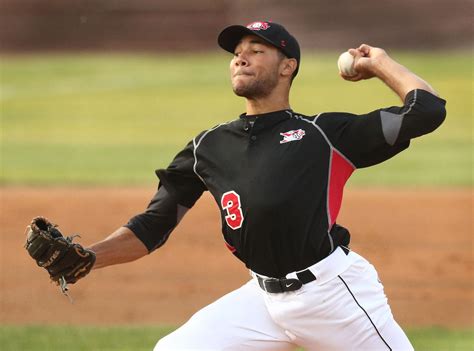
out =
column 65, row 261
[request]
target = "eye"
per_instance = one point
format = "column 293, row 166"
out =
column 236, row 54
column 258, row 51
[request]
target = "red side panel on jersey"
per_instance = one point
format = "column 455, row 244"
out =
column 341, row 170
column 230, row 247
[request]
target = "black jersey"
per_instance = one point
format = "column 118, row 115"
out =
column 278, row 178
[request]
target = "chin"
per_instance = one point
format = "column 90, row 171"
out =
column 240, row 92
column 239, row 89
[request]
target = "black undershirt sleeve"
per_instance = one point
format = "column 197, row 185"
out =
column 178, row 191
column 369, row 139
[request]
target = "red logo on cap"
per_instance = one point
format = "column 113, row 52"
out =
column 258, row 26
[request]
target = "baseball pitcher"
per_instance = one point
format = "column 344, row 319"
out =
column 278, row 178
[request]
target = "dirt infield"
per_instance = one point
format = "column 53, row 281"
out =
column 420, row 242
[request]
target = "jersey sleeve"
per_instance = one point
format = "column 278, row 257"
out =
column 178, row 191
column 154, row 226
column 374, row 137
column 180, row 180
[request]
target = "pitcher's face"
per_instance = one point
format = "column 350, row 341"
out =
column 254, row 68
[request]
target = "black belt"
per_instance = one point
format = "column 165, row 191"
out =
column 275, row 285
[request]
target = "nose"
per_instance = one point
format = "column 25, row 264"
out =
column 240, row 61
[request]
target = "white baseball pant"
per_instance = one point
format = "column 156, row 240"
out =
column 345, row 308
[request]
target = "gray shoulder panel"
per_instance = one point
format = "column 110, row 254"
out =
column 391, row 124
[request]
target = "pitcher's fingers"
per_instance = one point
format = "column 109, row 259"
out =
column 354, row 52
column 365, row 49
column 355, row 78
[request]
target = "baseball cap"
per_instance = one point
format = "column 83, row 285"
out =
column 271, row 32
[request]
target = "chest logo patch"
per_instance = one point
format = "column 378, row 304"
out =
column 292, row 135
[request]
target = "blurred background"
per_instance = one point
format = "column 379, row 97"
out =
column 30, row 25
column 96, row 95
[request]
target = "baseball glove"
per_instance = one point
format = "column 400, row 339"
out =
column 65, row 261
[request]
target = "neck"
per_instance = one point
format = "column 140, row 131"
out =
column 255, row 106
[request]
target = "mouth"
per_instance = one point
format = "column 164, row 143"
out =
column 245, row 74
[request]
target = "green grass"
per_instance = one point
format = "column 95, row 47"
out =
column 40, row 338
column 59, row 338
column 113, row 119
column 439, row 339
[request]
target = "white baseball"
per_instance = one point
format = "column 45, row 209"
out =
column 346, row 64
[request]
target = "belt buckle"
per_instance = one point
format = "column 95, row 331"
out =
column 263, row 282
column 271, row 285
column 264, row 285
column 275, row 285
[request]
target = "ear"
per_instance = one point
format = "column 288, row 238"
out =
column 288, row 66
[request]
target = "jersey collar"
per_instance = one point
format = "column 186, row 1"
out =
column 267, row 119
